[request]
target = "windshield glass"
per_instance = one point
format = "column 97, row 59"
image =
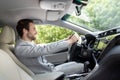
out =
column 98, row 15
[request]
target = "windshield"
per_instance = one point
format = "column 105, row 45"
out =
column 98, row 15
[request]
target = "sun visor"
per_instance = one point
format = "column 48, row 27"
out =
column 53, row 15
column 52, row 5
column 55, row 9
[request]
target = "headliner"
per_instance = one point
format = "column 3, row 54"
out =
column 13, row 10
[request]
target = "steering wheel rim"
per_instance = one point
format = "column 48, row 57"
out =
column 84, row 47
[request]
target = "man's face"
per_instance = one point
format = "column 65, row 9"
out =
column 32, row 32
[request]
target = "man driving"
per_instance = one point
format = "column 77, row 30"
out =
column 32, row 55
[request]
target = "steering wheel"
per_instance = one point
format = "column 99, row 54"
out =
column 82, row 48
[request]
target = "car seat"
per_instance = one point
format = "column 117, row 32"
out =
column 109, row 62
column 7, row 40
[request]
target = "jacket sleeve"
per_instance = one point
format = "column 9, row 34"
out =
column 39, row 50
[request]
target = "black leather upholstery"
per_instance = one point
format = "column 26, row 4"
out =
column 109, row 62
column 109, row 66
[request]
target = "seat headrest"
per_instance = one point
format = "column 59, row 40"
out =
column 7, row 35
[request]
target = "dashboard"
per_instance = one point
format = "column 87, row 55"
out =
column 105, row 37
column 93, row 48
column 96, row 44
column 92, row 44
column 109, row 32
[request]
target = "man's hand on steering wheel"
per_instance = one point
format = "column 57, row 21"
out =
column 74, row 38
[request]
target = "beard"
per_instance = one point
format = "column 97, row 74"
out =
column 31, row 37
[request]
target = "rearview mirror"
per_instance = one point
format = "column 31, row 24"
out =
column 79, row 5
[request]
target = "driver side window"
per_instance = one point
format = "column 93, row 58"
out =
column 51, row 33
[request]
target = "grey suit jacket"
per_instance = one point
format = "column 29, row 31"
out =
column 32, row 55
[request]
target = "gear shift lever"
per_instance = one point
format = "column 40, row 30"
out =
column 86, row 64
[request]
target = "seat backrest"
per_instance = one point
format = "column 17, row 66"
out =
column 7, row 39
column 109, row 62
column 109, row 66
column 9, row 70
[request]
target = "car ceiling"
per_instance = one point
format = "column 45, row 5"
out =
column 13, row 10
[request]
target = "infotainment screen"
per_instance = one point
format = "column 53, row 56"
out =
column 103, row 42
column 99, row 45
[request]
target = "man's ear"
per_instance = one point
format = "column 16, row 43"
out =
column 25, row 31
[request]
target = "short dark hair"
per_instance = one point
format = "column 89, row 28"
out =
column 23, row 24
